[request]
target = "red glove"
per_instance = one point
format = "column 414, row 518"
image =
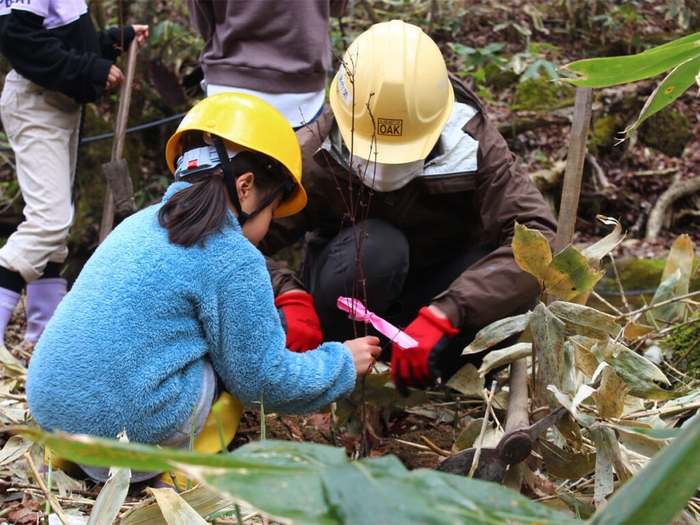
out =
column 411, row 366
column 299, row 320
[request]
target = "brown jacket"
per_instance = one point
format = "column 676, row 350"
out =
column 440, row 216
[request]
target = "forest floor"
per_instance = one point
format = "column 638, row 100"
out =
column 622, row 181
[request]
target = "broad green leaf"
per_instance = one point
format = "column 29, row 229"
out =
column 311, row 484
column 104, row 452
column 661, row 490
column 378, row 490
column 531, row 251
column 672, row 87
column 585, row 320
column 609, row 71
column 569, row 275
column 497, row 358
column 496, row 332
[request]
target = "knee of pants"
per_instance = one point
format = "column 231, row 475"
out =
column 375, row 252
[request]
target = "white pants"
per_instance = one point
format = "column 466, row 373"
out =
column 42, row 128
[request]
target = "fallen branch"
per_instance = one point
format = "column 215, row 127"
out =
column 50, row 496
column 676, row 191
column 432, row 446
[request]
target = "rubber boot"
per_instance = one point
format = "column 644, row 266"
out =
column 217, row 434
column 8, row 302
column 43, row 296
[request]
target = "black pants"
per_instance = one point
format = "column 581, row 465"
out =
column 371, row 262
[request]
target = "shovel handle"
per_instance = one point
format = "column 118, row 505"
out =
column 518, row 413
column 119, row 137
column 516, row 444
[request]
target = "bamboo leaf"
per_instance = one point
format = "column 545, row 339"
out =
column 569, row 275
column 604, row 480
column 175, row 510
column 112, row 496
column 565, row 464
column 496, row 332
column 596, row 251
column 531, row 251
column 305, row 482
column 200, row 498
column 635, row 370
column 383, row 491
column 610, row 396
column 672, row 87
column 548, row 335
column 580, row 319
column 467, row 381
column 610, row 71
column 642, row 440
column 497, row 358
column 660, row 491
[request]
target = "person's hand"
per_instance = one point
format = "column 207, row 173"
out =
column 114, row 78
column 300, row 321
column 141, row 31
column 411, row 366
column 365, row 351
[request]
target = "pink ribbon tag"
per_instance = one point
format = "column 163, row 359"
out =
column 357, row 312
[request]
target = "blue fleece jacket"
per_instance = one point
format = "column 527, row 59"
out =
column 126, row 346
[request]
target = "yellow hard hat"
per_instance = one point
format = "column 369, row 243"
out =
column 251, row 123
column 399, row 72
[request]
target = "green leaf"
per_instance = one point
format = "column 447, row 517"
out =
column 635, row 370
column 496, row 332
column 660, row 491
column 569, row 274
column 672, row 87
column 585, row 320
column 378, row 490
column 609, row 71
column 317, row 484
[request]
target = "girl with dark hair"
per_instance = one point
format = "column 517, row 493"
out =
column 175, row 308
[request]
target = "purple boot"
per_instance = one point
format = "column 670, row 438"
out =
column 43, row 296
column 8, row 301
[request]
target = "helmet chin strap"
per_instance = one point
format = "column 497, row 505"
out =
column 230, row 179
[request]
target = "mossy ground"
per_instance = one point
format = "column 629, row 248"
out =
column 684, row 343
